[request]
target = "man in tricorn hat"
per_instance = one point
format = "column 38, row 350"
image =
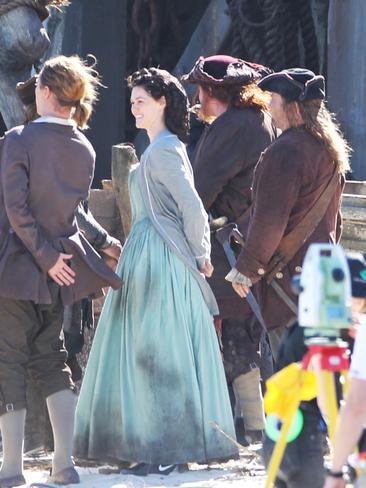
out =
column 239, row 129
column 296, row 195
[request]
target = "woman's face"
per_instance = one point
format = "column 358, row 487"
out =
column 147, row 111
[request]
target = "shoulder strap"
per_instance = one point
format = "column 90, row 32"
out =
column 295, row 239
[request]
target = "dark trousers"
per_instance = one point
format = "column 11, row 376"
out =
column 240, row 340
column 302, row 465
column 31, row 346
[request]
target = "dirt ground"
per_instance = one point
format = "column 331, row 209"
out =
column 245, row 472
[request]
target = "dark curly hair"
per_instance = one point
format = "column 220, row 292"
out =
column 160, row 83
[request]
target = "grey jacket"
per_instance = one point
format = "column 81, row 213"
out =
column 175, row 209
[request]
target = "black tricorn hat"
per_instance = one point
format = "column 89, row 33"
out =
column 357, row 266
column 295, row 84
column 223, row 70
column 27, row 91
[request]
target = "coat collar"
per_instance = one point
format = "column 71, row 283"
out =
column 54, row 120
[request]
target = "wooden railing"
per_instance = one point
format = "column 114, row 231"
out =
column 354, row 216
column 111, row 207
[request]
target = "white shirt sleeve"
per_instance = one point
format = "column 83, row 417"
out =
column 358, row 360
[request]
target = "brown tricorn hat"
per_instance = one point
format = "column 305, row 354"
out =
column 27, row 91
column 223, row 70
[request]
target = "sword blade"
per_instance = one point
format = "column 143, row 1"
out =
column 250, row 297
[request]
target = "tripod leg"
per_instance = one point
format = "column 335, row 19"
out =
column 345, row 383
column 281, row 444
column 331, row 403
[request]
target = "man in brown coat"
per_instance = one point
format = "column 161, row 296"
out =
column 289, row 181
column 223, row 164
column 45, row 263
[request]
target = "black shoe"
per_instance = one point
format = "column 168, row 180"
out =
column 144, row 469
column 140, row 469
column 254, row 436
column 164, row 469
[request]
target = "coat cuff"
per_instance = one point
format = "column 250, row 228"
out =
column 249, row 266
column 201, row 261
column 235, row 277
column 46, row 257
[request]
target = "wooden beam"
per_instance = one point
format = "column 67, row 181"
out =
column 207, row 38
column 347, row 74
column 123, row 158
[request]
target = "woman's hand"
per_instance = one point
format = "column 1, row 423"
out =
column 207, row 269
column 61, row 272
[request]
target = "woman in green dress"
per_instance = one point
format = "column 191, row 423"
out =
column 154, row 385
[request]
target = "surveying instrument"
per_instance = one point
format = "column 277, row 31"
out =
column 324, row 288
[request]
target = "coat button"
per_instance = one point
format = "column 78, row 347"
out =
column 261, row 271
column 298, row 269
column 279, row 275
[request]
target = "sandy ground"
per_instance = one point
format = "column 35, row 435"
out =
column 246, row 472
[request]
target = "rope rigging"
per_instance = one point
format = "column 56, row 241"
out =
column 277, row 33
column 41, row 6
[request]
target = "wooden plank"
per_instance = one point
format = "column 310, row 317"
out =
column 355, row 187
column 99, row 28
column 208, row 36
column 347, row 74
column 123, row 158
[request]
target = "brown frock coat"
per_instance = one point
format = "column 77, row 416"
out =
column 46, row 171
column 289, row 178
column 223, row 165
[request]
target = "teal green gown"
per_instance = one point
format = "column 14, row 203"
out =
column 154, row 383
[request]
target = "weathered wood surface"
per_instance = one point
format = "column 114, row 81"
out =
column 104, row 202
column 355, row 188
column 103, row 206
column 354, row 219
column 347, row 74
column 208, row 37
column 23, row 41
column 123, row 158
column 99, row 28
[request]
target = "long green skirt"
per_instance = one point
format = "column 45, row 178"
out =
column 154, row 385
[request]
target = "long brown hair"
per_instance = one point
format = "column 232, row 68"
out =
column 239, row 96
column 73, row 83
column 323, row 125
